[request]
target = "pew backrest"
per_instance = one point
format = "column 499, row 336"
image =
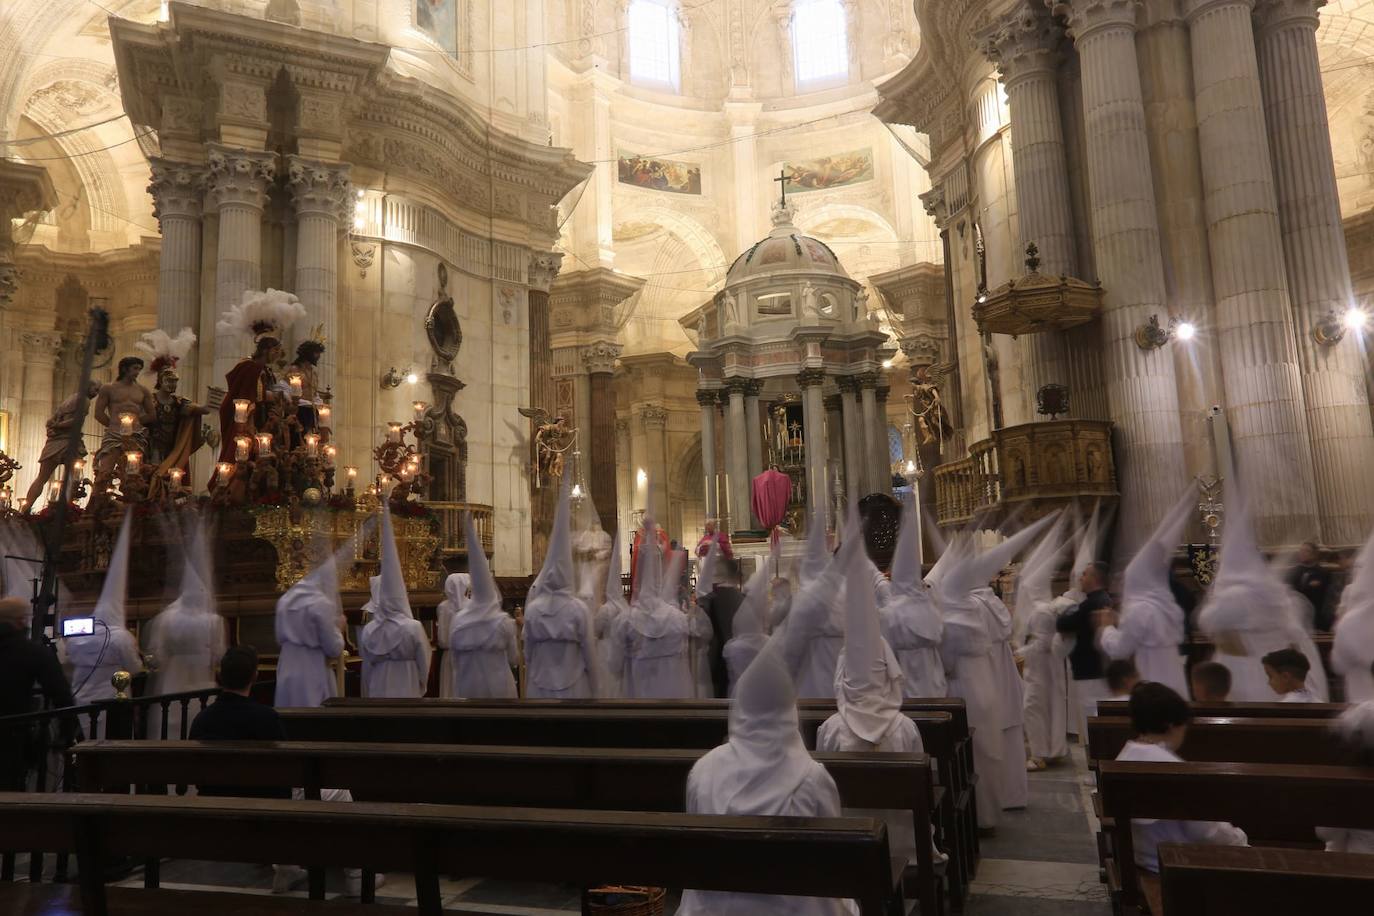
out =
column 1240, row 710
column 1294, row 741
column 1243, row 881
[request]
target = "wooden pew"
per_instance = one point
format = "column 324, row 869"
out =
column 594, row 779
column 65, row 900
column 1240, row 710
column 1295, row 741
column 825, row 857
column 1236, row 881
column 592, row 726
column 1276, row 798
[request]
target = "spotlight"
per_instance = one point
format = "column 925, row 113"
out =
column 1186, row 330
column 1355, row 318
column 887, row 364
column 411, row 378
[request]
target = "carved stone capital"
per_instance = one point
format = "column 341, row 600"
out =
column 544, row 266
column 866, row 380
column 41, row 346
column 600, row 357
column 1024, row 44
column 753, row 389
column 239, row 177
column 737, row 384
column 1272, row 15
column 622, row 426
column 1087, row 17
column 320, row 188
column 882, row 392
column 9, row 283
column 921, row 349
column 708, row 397
column 653, row 417
column 833, row 403
column 847, row 383
column 1192, row 9
column 178, row 189
column 810, row 378
column 934, row 203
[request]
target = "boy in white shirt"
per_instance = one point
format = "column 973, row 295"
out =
column 1160, row 718
column 1287, row 672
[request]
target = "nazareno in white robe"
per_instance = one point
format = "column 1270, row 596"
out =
column 560, row 647
column 186, row 644
column 484, row 650
column 1046, row 699
column 1014, row 790
column 1152, row 634
column 396, row 655
column 455, row 599
column 913, row 629
column 654, row 638
column 307, row 625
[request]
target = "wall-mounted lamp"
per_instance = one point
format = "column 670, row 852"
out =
column 1331, row 328
column 393, row 379
column 1151, row 336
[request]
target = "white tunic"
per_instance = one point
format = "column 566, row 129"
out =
column 1045, row 707
column 656, row 649
column 186, row 646
column 455, row 599
column 560, row 648
column 739, row 653
column 816, row 679
column 1014, row 789
column 903, row 737
column 396, row 656
column 308, row 639
column 923, row 673
column 484, row 652
column 1150, row 634
column 94, row 659
column 1352, row 652
column 611, row 653
column 1147, row 835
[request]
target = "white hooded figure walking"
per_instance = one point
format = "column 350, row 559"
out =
column 187, row 637
column 969, row 651
column 1250, row 612
column 607, row 621
column 654, row 635
column 1151, row 627
column 310, row 630
column 1352, row 646
column 911, row 622
column 763, row 769
column 481, row 635
column 394, row 646
column 700, row 632
column 815, row 623
column 560, row 645
column 456, row 589
column 1045, row 705
column 747, row 637
column 96, row 657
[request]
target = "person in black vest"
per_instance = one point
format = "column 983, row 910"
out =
column 1312, row 580
column 720, row 605
column 24, row 663
column 1086, row 659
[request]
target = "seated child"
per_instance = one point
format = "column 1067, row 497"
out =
column 1287, row 672
column 1211, row 682
column 1160, row 718
column 1122, row 677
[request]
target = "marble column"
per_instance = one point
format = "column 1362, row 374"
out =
column 1025, row 48
column 753, row 428
column 737, row 454
column 707, row 397
column 834, row 441
column 1259, row 360
column 856, row 474
column 543, row 268
column 655, row 420
column 178, row 191
column 323, row 198
column 40, row 352
column 236, row 189
column 1314, row 249
column 877, row 465
column 813, row 427
column 1141, row 388
column 599, row 456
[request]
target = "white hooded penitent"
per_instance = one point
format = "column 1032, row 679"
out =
column 560, row 652
column 1352, row 647
column 394, row 645
column 111, row 647
column 481, row 637
column 654, row 633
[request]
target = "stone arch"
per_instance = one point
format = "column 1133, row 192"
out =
column 664, row 289
column 108, row 206
column 696, row 236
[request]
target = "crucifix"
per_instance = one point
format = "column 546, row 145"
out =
column 782, row 179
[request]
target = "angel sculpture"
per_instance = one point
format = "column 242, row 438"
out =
column 553, row 439
column 927, row 407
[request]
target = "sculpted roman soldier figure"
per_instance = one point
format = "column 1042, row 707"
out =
column 175, row 432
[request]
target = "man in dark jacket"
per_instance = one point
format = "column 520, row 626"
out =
column 23, row 663
column 1086, row 659
column 235, row 717
column 720, row 606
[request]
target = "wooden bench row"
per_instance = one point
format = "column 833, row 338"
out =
column 575, row 778
column 822, row 857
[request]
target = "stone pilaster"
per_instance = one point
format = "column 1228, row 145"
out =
column 811, row 381
column 323, row 197
column 877, row 464
column 543, row 268
column 178, row 191
column 737, row 454
column 754, row 429
column 856, row 471
column 40, row 352
column 655, row 420
column 1315, row 254
column 236, row 189
column 707, row 398
column 599, row 453
column 1141, row 388
column 1259, row 359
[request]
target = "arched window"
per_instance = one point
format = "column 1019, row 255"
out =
column 655, row 43
column 820, row 43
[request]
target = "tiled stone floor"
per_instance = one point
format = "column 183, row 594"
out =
column 1041, row 861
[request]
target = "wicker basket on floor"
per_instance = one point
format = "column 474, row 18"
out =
column 615, row 900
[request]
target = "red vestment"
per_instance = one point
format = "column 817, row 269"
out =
column 247, row 381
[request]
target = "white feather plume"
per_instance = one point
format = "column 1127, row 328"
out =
column 159, row 345
column 261, row 309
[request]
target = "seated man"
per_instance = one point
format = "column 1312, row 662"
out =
column 1287, row 672
column 24, row 663
column 1211, row 683
column 1160, row 718
column 1122, row 677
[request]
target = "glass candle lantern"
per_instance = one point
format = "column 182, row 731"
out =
column 295, row 383
column 241, row 446
column 326, row 416
column 176, row 475
column 133, row 461
column 126, row 424
column 419, row 409
column 352, row 473
column 330, row 453
column 79, row 467
column 264, row 443
column 393, row 432
column 226, row 470
column 241, row 410
column 312, row 444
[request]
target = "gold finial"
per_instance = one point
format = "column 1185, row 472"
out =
column 121, row 681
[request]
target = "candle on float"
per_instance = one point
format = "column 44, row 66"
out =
column 241, row 446
column 407, row 473
column 126, row 424
column 55, row 491
column 133, row 461
column 226, row 470
column 331, row 453
column 5, row 496
column 312, row 444
column 393, row 432
column 419, row 409
column 176, row 475
column 23, row 503
column 326, row 416
column 241, row 406
column 264, row 443
column 352, row 473
column 295, row 382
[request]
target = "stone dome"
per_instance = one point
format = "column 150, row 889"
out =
column 785, row 250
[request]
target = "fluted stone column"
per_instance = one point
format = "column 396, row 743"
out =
column 237, row 189
column 543, row 268
column 855, row 470
column 323, row 196
column 40, row 351
column 1026, row 49
column 877, row 465
column 1141, row 390
column 1314, row 250
column 753, row 428
column 707, row 399
column 737, row 454
column 1259, row 360
column 178, row 191
column 834, row 441
column 599, row 453
column 813, row 423
column 655, row 420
